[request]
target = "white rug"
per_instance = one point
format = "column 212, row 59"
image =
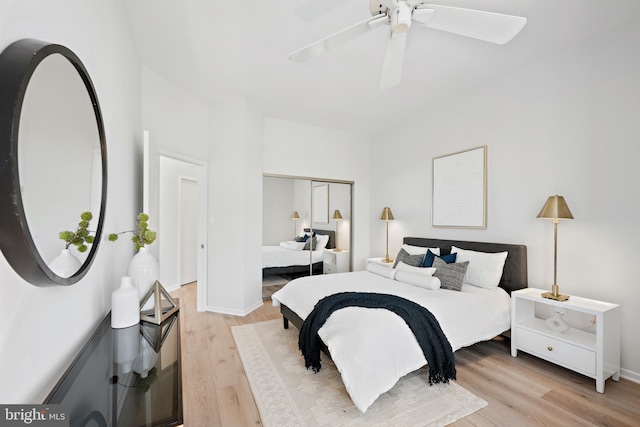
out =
column 287, row 394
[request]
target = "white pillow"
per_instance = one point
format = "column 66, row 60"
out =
column 321, row 241
column 292, row 245
column 381, row 270
column 426, row 271
column 419, row 250
column 485, row 269
column 417, row 279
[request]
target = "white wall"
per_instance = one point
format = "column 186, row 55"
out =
column 278, row 206
column 564, row 125
column 340, row 199
column 235, row 207
column 227, row 136
column 177, row 123
column 43, row 328
column 331, row 154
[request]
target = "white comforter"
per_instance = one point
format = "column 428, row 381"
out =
column 277, row 256
column 374, row 348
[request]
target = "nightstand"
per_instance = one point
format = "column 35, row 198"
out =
column 335, row 262
column 378, row 261
column 594, row 354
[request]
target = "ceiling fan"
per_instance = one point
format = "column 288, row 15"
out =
column 400, row 14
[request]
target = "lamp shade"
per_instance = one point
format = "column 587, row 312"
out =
column 295, row 215
column 555, row 208
column 336, row 215
column 386, row 214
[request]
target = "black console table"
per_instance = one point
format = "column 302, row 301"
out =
column 125, row 377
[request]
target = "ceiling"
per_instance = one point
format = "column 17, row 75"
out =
column 216, row 48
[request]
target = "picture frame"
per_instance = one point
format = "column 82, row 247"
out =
column 459, row 189
column 320, row 204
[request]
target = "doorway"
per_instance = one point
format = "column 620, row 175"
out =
column 188, row 220
column 163, row 173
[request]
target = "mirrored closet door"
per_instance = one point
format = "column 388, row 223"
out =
column 306, row 227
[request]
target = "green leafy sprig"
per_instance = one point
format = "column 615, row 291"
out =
column 144, row 384
column 81, row 237
column 141, row 234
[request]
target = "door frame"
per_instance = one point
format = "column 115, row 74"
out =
column 328, row 181
column 203, row 192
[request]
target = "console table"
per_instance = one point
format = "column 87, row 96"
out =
column 125, row 377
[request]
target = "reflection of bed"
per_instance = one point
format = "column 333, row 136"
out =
column 372, row 349
column 280, row 261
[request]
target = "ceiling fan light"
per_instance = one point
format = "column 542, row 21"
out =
column 401, row 18
column 400, row 28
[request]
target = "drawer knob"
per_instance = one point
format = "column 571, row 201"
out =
column 550, row 348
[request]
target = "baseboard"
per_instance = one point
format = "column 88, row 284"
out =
column 171, row 289
column 226, row 310
column 630, row 375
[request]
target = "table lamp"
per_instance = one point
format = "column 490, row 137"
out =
column 387, row 216
column 556, row 208
column 295, row 217
column 337, row 217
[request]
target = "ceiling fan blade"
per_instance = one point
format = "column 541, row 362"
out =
column 338, row 38
column 488, row 26
column 393, row 59
column 312, row 9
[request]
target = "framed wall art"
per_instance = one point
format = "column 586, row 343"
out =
column 459, row 189
column 320, row 202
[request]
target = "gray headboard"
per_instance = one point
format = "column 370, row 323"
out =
column 514, row 274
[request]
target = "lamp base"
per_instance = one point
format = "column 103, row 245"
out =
column 337, row 250
column 558, row 297
column 387, row 260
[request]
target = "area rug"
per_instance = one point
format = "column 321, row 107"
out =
column 287, row 394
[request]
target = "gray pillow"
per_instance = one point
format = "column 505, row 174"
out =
column 310, row 243
column 407, row 258
column 450, row 275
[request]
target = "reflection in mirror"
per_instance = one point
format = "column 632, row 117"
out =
column 52, row 160
column 282, row 196
column 59, row 140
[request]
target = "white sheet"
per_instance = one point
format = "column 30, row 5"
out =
column 374, row 348
column 276, row 256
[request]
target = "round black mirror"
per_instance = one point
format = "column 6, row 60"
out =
column 53, row 161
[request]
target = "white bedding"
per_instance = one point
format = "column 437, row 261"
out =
column 374, row 348
column 277, row 256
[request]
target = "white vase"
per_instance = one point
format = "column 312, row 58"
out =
column 556, row 323
column 65, row 265
column 125, row 305
column 126, row 346
column 143, row 270
column 146, row 360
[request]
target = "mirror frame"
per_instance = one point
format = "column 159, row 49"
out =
column 17, row 64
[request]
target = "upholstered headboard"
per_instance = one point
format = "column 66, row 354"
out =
column 514, row 274
column 332, row 236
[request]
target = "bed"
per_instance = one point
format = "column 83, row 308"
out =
column 277, row 260
column 373, row 348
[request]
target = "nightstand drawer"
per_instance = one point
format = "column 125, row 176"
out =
column 563, row 353
column 329, row 268
column 335, row 261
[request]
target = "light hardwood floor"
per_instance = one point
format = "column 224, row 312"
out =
column 522, row 391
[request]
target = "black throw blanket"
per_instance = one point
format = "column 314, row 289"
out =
column 434, row 344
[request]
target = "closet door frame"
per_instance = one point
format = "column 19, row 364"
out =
column 314, row 181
